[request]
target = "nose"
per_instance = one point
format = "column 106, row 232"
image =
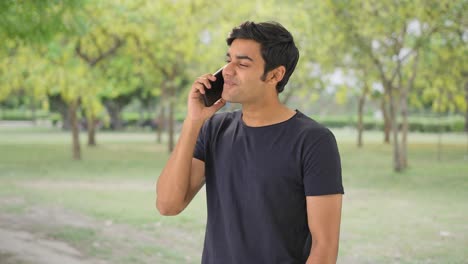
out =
column 228, row 69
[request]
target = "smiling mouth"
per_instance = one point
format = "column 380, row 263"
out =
column 229, row 83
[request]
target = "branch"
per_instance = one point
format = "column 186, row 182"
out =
column 148, row 53
column 80, row 53
column 397, row 49
column 415, row 69
column 93, row 38
column 102, row 55
column 377, row 62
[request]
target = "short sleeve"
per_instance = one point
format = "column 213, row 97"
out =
column 200, row 146
column 322, row 166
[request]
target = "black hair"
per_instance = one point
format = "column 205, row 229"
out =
column 276, row 46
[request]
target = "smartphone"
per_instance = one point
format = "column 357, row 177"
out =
column 214, row 93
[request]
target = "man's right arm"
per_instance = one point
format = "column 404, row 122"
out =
column 183, row 176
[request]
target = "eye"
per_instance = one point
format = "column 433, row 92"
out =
column 243, row 65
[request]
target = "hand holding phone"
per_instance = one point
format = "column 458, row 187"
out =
column 214, row 93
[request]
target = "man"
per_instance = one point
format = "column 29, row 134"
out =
column 273, row 175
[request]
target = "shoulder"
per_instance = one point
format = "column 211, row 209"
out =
column 314, row 136
column 310, row 128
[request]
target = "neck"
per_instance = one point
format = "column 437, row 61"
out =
column 265, row 113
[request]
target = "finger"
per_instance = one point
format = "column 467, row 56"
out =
column 211, row 77
column 218, row 104
column 198, row 87
column 206, row 80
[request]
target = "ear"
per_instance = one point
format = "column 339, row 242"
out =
column 276, row 75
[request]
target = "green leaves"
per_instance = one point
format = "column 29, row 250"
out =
column 38, row 21
column 164, row 43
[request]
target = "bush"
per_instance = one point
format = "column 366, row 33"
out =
column 21, row 115
column 416, row 124
column 132, row 119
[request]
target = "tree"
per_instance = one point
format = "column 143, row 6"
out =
column 22, row 69
column 169, row 51
column 100, row 47
column 35, row 22
column 391, row 35
column 71, row 79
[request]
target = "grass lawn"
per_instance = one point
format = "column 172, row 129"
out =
column 418, row 216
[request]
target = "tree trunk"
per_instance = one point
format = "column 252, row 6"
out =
column 141, row 115
column 171, row 122
column 404, row 128
column 91, row 130
column 466, row 111
column 404, row 110
column 360, row 125
column 114, row 112
column 161, row 123
column 397, row 166
column 75, row 130
column 33, row 110
column 439, row 142
column 57, row 104
column 66, row 120
column 387, row 122
column 466, row 104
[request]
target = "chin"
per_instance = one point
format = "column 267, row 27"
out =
column 230, row 100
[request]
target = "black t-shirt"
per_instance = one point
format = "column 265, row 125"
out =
column 257, row 180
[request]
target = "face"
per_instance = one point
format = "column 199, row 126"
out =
column 243, row 71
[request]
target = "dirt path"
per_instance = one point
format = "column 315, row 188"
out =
column 27, row 237
column 24, row 247
column 23, row 238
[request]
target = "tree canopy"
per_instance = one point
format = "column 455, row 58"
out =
column 103, row 55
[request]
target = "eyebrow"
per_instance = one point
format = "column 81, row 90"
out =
column 240, row 57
